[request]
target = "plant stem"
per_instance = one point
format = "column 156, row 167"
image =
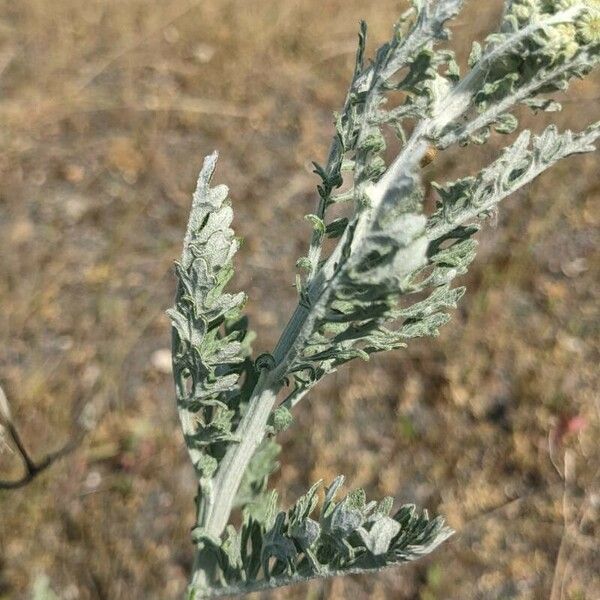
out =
column 251, row 432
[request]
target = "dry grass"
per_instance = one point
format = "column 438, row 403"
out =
column 107, row 109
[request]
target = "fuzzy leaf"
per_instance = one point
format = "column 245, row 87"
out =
column 210, row 342
column 347, row 536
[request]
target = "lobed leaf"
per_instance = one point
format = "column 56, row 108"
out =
column 210, row 338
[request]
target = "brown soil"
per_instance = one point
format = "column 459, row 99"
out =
column 107, row 109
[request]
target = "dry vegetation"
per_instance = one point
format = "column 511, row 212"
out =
column 107, row 108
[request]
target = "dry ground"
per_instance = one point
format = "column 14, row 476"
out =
column 107, row 108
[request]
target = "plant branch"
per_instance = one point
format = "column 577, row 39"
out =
column 491, row 114
column 459, row 99
column 32, row 467
column 387, row 279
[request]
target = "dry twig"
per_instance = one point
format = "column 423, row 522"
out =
column 32, row 468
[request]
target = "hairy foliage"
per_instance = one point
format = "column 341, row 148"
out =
column 210, row 337
column 349, row 536
column 390, row 277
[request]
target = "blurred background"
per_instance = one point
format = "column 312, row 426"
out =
column 107, row 108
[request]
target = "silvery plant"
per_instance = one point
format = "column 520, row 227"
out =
column 388, row 277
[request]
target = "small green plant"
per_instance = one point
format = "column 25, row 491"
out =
column 388, row 278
